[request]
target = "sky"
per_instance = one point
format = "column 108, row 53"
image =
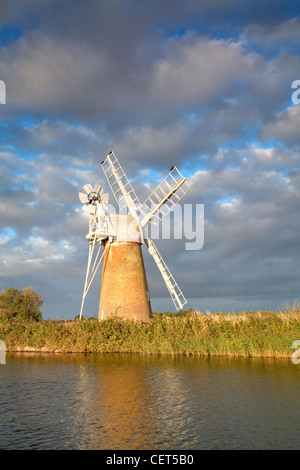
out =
column 202, row 85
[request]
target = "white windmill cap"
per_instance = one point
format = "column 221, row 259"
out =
column 127, row 228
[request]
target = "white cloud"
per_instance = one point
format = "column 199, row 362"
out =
column 284, row 126
column 197, row 70
column 158, row 91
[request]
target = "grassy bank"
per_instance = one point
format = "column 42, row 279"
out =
column 260, row 334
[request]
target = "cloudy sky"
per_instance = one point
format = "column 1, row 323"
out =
column 203, row 85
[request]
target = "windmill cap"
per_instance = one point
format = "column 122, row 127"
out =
column 127, row 228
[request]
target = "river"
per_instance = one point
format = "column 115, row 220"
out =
column 126, row 402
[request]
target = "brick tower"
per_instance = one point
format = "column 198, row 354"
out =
column 124, row 289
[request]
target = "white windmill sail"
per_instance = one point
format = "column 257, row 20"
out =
column 167, row 193
column 176, row 295
column 164, row 197
column 121, row 187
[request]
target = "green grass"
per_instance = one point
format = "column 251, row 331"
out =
column 248, row 334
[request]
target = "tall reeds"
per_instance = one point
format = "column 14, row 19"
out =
column 248, row 334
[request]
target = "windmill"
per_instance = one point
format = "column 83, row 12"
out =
column 117, row 238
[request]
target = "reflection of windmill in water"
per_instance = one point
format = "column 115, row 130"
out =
column 124, row 287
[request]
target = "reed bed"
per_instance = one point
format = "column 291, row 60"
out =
column 247, row 334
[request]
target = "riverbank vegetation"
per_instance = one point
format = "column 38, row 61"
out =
column 248, row 334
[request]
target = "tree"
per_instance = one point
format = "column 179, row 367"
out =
column 25, row 304
column 10, row 300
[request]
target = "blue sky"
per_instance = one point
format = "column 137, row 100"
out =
column 203, row 85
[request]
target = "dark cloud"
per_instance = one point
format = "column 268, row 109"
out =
column 202, row 85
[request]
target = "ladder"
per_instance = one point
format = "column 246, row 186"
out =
column 164, row 197
column 177, row 296
column 121, row 187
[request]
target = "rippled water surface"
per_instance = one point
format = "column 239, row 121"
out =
column 131, row 402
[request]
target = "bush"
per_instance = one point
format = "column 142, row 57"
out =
column 25, row 304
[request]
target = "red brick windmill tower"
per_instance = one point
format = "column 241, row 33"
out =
column 124, row 289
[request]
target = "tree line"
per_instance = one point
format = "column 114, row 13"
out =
column 24, row 304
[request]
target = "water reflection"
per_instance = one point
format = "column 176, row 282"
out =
column 133, row 402
column 116, row 405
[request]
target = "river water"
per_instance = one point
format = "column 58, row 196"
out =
column 126, row 402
